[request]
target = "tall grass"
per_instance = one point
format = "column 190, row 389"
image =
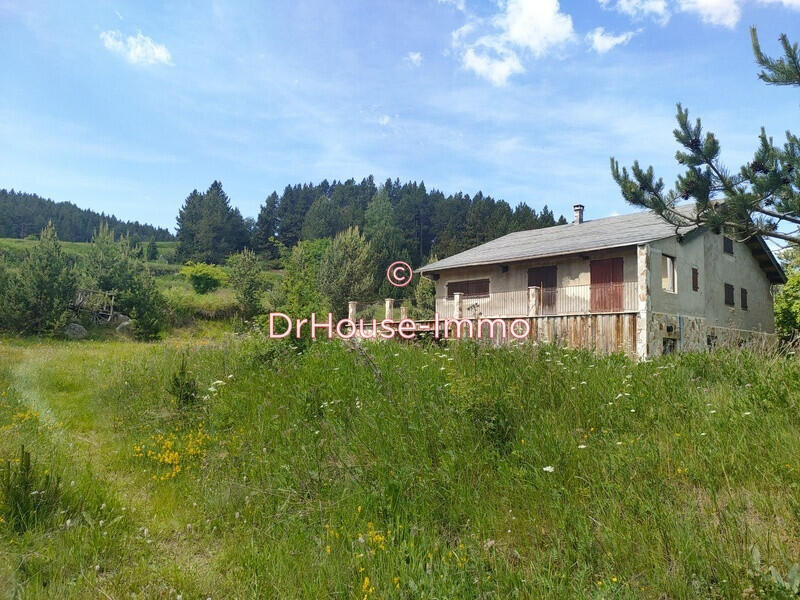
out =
column 392, row 470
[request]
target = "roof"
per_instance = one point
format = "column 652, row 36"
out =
column 597, row 234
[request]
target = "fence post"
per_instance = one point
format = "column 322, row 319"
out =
column 457, row 305
column 403, row 313
column 351, row 310
column 534, row 300
column 389, row 308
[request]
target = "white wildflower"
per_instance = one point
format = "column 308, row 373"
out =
column 548, row 469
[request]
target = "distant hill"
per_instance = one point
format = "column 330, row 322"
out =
column 23, row 214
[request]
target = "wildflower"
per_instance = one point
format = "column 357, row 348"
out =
column 548, row 469
column 582, row 446
column 744, row 414
column 328, row 549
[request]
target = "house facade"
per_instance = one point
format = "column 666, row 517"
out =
column 630, row 283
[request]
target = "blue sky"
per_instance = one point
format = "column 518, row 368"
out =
column 127, row 107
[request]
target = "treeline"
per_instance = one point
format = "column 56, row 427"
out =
column 23, row 215
column 409, row 221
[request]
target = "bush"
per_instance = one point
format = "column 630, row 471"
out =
column 247, row 281
column 28, row 498
column 152, row 251
column 204, row 278
column 787, row 308
column 183, row 386
column 346, row 271
column 40, row 295
column 145, row 305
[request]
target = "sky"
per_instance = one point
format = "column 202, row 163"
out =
column 126, row 108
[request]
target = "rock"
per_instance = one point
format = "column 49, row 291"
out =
column 119, row 318
column 125, row 328
column 75, row 331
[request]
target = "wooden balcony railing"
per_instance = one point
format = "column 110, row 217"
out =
column 534, row 302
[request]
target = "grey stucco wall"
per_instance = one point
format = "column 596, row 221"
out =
column 716, row 268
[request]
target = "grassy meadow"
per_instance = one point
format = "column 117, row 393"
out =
column 399, row 471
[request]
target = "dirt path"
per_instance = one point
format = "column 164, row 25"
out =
column 59, row 383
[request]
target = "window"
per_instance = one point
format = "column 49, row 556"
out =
column 668, row 346
column 668, row 273
column 727, row 245
column 695, row 279
column 544, row 277
column 474, row 288
column 547, row 279
column 744, row 299
column 729, row 294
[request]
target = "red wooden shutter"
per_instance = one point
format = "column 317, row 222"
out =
column 606, row 285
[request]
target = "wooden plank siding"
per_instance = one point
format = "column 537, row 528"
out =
column 604, row 333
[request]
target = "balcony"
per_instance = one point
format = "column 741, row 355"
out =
column 605, row 298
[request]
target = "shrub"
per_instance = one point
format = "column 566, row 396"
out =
column 300, row 294
column 787, row 308
column 247, row 281
column 183, row 386
column 28, row 497
column 41, row 294
column 146, row 306
column 347, row 271
column 152, row 251
column 204, row 278
column 109, row 264
column 6, row 318
column 425, row 296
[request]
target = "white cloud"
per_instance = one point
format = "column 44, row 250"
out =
column 522, row 27
column 656, row 9
column 137, row 50
column 602, row 42
column 725, row 13
column 384, row 120
column 414, row 58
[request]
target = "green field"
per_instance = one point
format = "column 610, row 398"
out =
column 399, row 471
column 14, row 249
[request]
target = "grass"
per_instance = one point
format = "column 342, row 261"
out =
column 400, row 471
column 14, row 249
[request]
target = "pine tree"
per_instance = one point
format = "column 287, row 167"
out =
column 152, row 250
column 346, row 271
column 44, row 288
column 266, row 228
column 752, row 202
column 209, row 229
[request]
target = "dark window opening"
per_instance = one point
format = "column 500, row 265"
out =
column 668, row 346
column 695, row 279
column 547, row 279
column 744, row 299
column 729, row 295
column 727, row 245
column 474, row 288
